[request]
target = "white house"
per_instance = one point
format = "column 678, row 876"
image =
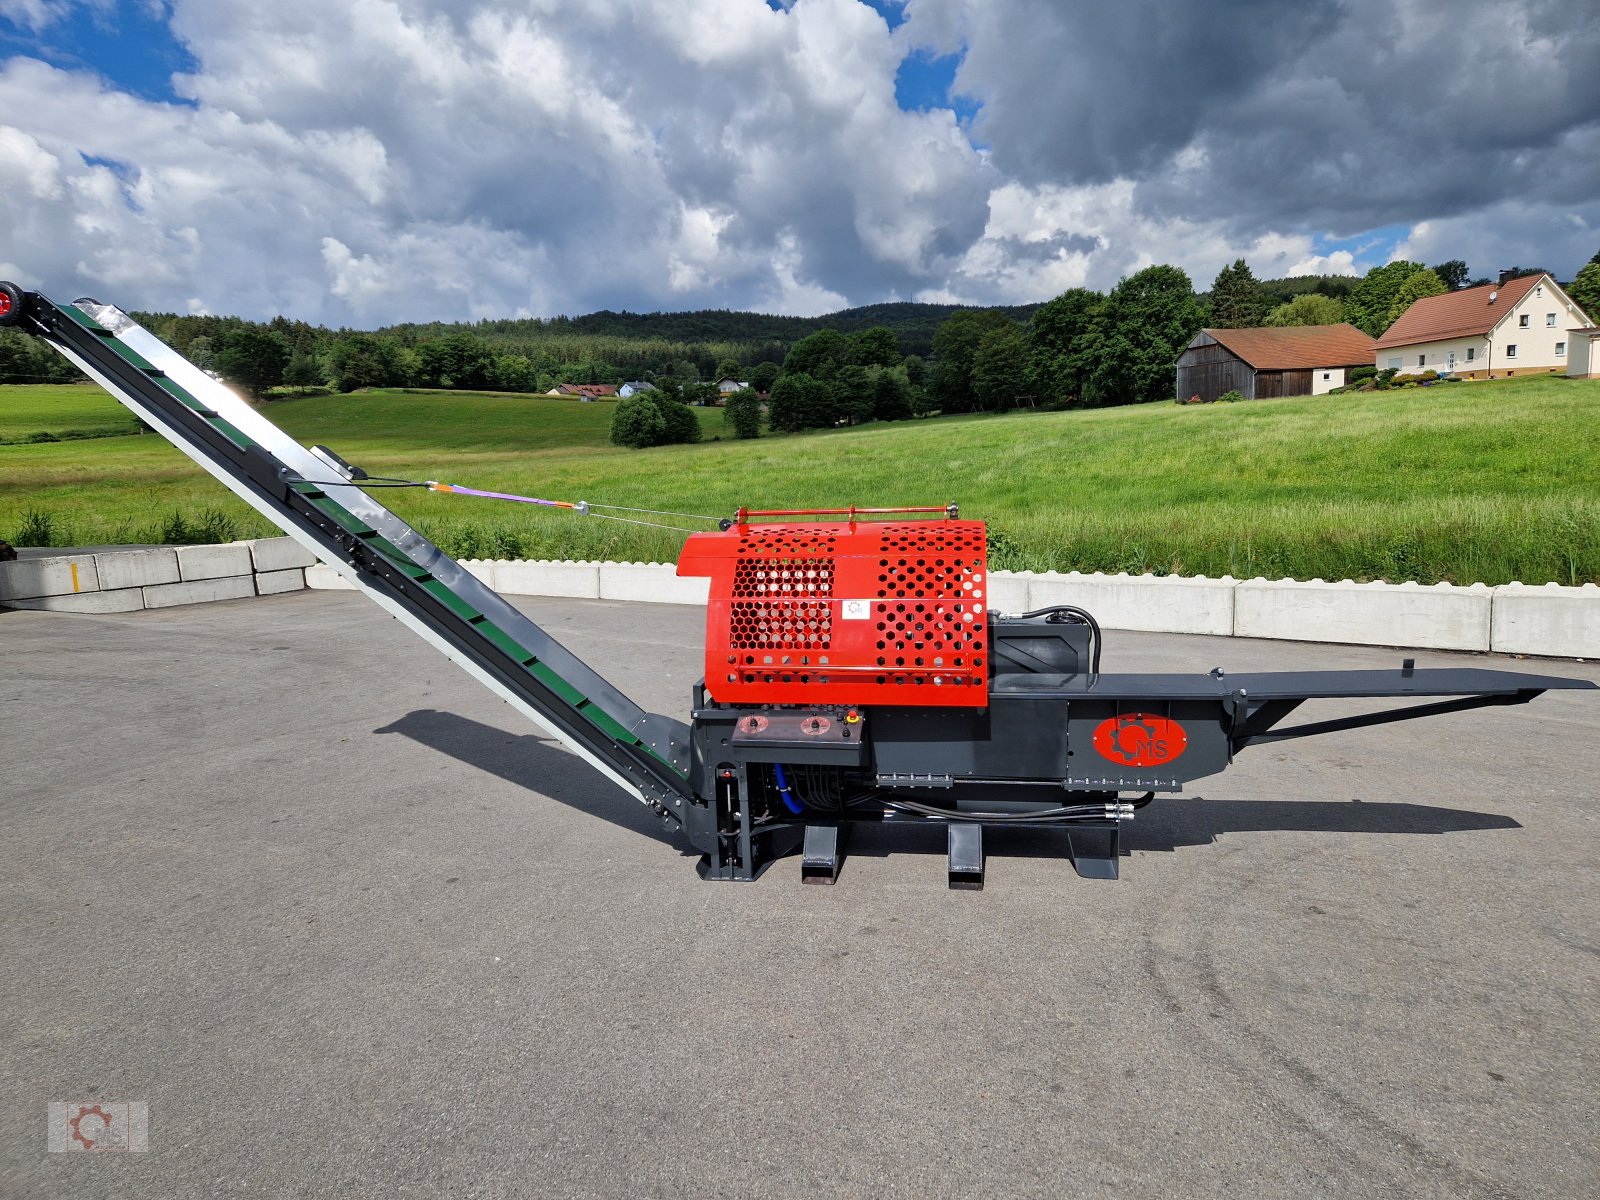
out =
column 727, row 387
column 634, row 386
column 1492, row 331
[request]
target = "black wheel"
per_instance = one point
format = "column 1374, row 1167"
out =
column 10, row 303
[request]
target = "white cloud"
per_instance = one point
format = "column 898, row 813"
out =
column 364, row 161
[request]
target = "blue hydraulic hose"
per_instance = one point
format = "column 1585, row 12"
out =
column 789, row 800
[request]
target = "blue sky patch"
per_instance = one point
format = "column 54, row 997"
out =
column 127, row 46
column 1372, row 247
column 925, row 81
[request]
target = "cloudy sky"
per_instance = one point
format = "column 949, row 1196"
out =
column 367, row 161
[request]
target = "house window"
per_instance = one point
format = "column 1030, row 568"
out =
column 1539, row 291
column 1511, row 350
column 1561, row 349
column 1550, row 320
column 1422, row 360
column 1522, row 321
column 1325, row 375
column 1472, row 353
column 1394, row 363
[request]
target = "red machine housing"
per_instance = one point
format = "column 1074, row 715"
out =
column 849, row 612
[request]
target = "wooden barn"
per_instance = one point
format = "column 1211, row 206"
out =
column 1298, row 360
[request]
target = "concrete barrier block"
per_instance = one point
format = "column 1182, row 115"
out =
column 64, row 576
column 546, row 578
column 1151, row 603
column 270, row 583
column 1366, row 614
column 481, row 569
column 125, row 600
column 278, row 554
column 199, row 591
column 213, row 562
column 1008, row 591
column 323, row 578
column 1562, row 622
column 656, row 583
column 136, row 568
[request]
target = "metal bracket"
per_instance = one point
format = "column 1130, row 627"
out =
column 1094, row 848
column 820, row 856
column 966, row 855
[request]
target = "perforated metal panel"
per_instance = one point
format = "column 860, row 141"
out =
column 851, row 613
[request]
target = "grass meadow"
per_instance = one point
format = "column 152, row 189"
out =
column 1473, row 482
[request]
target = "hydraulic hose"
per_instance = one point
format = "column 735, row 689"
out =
column 789, row 800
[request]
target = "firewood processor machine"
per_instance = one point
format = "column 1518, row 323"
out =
column 855, row 669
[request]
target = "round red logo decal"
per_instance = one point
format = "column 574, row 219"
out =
column 1140, row 739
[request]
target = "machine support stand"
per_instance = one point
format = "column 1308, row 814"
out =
column 1095, row 848
column 966, row 855
column 820, row 856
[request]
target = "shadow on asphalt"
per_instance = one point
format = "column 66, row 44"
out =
column 1168, row 824
column 1171, row 824
column 533, row 762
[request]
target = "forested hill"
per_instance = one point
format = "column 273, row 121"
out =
column 913, row 324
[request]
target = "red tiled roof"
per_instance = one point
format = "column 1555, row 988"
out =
column 1296, row 347
column 1466, row 313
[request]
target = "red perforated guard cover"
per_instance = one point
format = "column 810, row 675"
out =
column 839, row 613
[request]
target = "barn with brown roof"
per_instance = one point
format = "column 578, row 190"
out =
column 1517, row 326
column 1297, row 360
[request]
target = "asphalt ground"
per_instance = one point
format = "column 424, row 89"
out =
column 350, row 928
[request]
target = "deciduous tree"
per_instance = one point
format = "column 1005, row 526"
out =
column 252, row 358
column 742, row 414
column 1000, row 369
column 1368, row 305
column 1138, row 333
column 763, row 375
column 1308, row 308
column 818, row 355
column 1454, row 274
column 1585, row 290
column 875, row 347
column 637, row 423
column 1056, row 343
column 955, row 347
column 1416, row 286
column 891, row 395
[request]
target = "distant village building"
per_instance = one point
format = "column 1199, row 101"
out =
column 634, row 386
column 586, row 392
column 727, row 387
column 1494, row 330
column 1296, row 360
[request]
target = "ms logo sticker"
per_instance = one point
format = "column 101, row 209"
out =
column 1140, row 739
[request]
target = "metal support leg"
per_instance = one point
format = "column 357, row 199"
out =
column 966, row 855
column 820, row 857
column 1095, row 849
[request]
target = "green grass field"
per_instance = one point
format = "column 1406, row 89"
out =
column 1472, row 482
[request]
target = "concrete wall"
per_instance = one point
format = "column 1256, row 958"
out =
column 130, row 580
column 1553, row 621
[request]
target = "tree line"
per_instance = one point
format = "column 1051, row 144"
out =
column 884, row 362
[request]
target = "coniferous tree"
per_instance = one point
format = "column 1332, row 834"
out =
column 1235, row 298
